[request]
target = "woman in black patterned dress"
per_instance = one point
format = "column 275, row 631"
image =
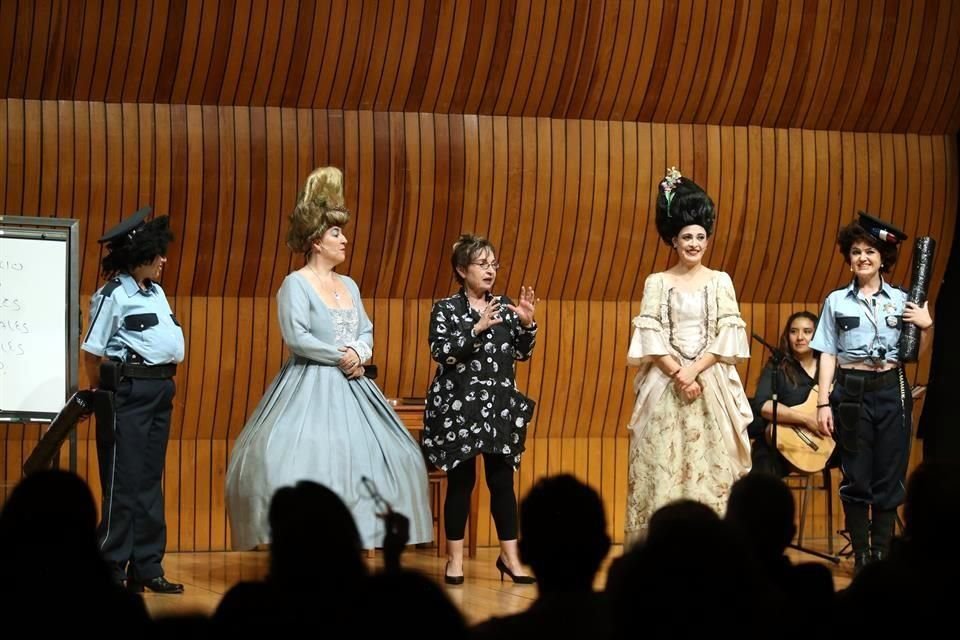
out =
column 473, row 406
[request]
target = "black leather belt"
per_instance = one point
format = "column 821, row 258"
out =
column 156, row 372
column 872, row 380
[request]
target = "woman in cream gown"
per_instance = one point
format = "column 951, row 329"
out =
column 688, row 430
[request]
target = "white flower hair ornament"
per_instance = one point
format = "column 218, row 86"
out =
column 668, row 184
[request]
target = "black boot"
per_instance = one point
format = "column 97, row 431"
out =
column 881, row 531
column 858, row 526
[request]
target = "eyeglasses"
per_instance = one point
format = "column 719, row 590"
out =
column 487, row 265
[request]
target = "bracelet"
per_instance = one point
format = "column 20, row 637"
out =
column 821, row 406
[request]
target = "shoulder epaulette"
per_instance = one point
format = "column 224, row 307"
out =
column 110, row 287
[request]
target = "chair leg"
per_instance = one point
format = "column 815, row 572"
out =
column 434, row 506
column 441, row 520
column 803, row 508
column 828, row 487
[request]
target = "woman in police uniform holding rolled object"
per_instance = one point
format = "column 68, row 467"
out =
column 869, row 408
column 132, row 347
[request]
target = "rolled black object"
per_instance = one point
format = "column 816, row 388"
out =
column 923, row 251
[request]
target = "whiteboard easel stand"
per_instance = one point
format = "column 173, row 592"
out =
column 68, row 230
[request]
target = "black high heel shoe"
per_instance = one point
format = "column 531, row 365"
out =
column 504, row 569
column 451, row 579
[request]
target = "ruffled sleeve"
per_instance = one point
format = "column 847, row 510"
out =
column 730, row 344
column 649, row 337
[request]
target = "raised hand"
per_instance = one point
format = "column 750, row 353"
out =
column 528, row 303
column 489, row 316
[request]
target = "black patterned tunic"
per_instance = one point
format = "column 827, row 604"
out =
column 473, row 405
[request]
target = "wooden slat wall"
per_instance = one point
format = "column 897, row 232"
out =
column 843, row 65
column 568, row 203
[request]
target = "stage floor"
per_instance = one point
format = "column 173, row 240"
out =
column 207, row 576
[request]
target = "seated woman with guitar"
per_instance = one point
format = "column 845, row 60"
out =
column 800, row 446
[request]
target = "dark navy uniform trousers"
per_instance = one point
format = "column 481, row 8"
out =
column 873, row 423
column 132, row 448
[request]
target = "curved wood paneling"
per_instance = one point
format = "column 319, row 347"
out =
column 228, row 174
column 729, row 62
column 569, row 206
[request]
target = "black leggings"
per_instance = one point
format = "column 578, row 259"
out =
column 503, row 502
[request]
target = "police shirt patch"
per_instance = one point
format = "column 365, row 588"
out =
column 892, row 321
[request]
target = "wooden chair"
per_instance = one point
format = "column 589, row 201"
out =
column 808, row 485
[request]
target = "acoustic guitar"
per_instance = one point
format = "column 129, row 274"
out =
column 808, row 452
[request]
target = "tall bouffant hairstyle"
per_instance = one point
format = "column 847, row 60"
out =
column 854, row 233
column 319, row 207
column 465, row 249
column 681, row 203
column 138, row 247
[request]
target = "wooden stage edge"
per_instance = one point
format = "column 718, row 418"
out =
column 208, row 575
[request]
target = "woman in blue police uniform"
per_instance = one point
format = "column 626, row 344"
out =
column 869, row 409
column 132, row 347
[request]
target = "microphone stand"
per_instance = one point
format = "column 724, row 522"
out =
column 777, row 357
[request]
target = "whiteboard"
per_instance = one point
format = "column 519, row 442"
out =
column 34, row 307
